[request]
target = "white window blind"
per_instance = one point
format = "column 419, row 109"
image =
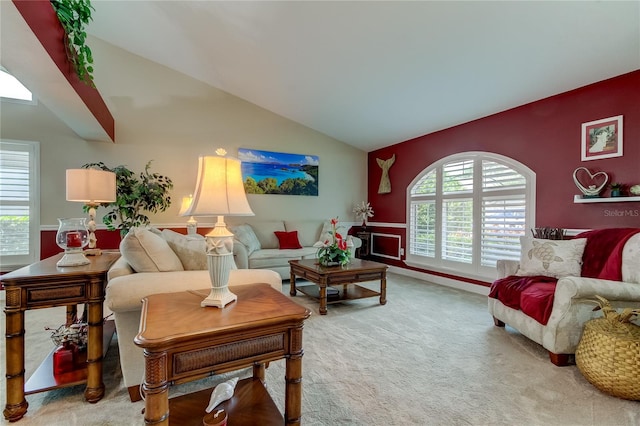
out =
column 423, row 233
column 457, row 230
column 19, row 204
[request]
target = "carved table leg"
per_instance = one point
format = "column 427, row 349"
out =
column 95, row 387
column 16, row 406
column 292, row 282
column 258, row 371
column 323, row 298
column 156, row 389
column 383, row 288
column 293, row 378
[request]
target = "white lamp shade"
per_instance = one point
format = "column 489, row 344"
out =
column 91, row 186
column 219, row 189
column 186, row 203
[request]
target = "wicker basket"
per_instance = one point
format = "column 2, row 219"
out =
column 608, row 354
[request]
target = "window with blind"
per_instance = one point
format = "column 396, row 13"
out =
column 468, row 210
column 19, row 204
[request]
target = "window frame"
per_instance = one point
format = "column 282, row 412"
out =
column 11, row 262
column 475, row 269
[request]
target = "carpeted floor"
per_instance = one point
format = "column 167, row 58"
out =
column 430, row 356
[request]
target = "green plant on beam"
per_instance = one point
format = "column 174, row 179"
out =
column 74, row 15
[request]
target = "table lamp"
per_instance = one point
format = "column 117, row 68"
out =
column 219, row 192
column 91, row 187
column 192, row 224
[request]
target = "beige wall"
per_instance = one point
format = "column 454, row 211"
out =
column 167, row 117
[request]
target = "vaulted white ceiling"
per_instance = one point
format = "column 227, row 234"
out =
column 374, row 73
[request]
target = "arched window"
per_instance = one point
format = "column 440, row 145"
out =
column 468, row 210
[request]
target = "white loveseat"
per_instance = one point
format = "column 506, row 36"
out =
column 257, row 246
column 159, row 262
column 573, row 302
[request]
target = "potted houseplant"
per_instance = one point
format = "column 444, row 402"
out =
column 135, row 194
column 616, row 189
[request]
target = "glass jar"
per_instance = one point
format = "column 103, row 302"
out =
column 72, row 237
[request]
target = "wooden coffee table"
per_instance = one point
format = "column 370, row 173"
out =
column 356, row 271
column 183, row 341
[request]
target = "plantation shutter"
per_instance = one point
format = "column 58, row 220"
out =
column 19, row 219
column 503, row 213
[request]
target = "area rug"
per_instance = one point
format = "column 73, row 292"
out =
column 430, row 356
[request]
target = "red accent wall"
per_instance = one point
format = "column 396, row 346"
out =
column 106, row 240
column 44, row 23
column 544, row 135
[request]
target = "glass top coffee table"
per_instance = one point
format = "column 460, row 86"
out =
column 357, row 271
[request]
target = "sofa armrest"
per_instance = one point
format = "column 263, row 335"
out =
column 582, row 288
column 240, row 255
column 507, row 267
column 120, row 268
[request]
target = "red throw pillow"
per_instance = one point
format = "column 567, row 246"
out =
column 288, row 240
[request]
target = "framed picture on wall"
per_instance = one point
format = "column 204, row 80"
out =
column 602, row 138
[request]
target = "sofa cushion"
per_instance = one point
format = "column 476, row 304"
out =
column 246, row 235
column 288, row 240
column 552, row 258
column 265, row 232
column 308, row 231
column 270, row 258
column 146, row 251
column 190, row 249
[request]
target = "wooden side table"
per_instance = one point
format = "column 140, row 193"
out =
column 44, row 285
column 183, row 341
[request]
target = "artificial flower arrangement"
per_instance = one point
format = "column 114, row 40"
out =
column 363, row 211
column 335, row 249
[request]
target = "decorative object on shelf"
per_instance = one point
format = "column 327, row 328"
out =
column 219, row 418
column 617, row 189
column 385, row 181
column 72, row 237
column 548, row 233
column 64, row 358
column 334, row 250
column 221, row 393
column 595, row 182
column 192, row 224
column 74, row 15
column 602, row 138
column 134, row 195
column 634, row 190
column 91, row 187
column 363, row 211
column 219, row 192
column 75, row 333
column 608, row 354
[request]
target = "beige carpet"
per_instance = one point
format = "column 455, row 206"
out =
column 431, row 356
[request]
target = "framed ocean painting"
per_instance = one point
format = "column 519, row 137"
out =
column 267, row 172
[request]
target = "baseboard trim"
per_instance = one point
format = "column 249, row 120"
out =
column 447, row 282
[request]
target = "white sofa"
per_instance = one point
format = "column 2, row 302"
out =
column 573, row 303
column 256, row 245
column 159, row 262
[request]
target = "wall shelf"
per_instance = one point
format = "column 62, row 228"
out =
column 580, row 199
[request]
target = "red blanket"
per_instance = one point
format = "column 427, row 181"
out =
column 602, row 258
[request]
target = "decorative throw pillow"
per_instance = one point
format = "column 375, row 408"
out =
column 244, row 234
column 190, row 249
column 288, row 240
column 147, row 251
column 552, row 258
